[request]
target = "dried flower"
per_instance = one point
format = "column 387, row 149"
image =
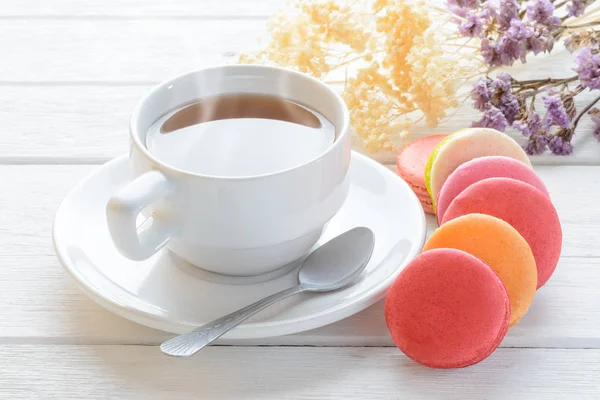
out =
column 480, row 94
column 492, row 118
column 588, row 68
column 470, row 4
column 508, row 10
column 491, row 53
column 557, row 114
column 395, row 62
column 569, row 104
column 537, row 144
column 541, row 40
column 509, row 105
column 509, row 50
column 530, row 125
column 472, row 27
column 519, row 30
column 510, row 31
column 559, row 146
column 501, row 84
column 581, row 39
column 541, row 11
column 576, row 8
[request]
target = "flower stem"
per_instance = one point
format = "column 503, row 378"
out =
column 536, row 86
column 593, row 23
column 585, row 110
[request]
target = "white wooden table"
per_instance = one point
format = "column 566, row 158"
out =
column 71, row 73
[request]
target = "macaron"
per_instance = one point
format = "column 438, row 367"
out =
column 411, row 166
column 525, row 208
column 447, row 309
column 482, row 168
column 464, row 146
column 501, row 247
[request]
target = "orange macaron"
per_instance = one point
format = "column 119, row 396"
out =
column 501, row 247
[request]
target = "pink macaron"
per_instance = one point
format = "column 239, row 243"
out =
column 447, row 309
column 526, row 208
column 482, row 168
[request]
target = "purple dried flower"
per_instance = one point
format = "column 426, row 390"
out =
column 559, row 146
column 501, row 83
column 588, row 68
column 541, row 11
column 530, row 125
column 537, row 144
column 480, row 94
column 501, row 96
column 508, row 10
column 472, row 27
column 541, row 40
column 518, row 30
column 509, row 50
column 463, row 3
column 509, row 106
column 490, row 53
column 576, row 8
column 492, row 118
column 556, row 111
column 461, row 7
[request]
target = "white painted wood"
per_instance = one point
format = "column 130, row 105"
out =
column 109, row 51
column 77, row 108
column 133, row 372
column 39, row 304
column 138, row 8
column 73, row 71
column 89, row 124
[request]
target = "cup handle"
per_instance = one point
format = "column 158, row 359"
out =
column 122, row 211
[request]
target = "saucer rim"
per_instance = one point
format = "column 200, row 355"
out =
column 250, row 330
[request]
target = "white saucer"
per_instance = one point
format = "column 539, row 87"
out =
column 161, row 294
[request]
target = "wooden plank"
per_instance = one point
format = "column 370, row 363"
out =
column 137, row 9
column 45, row 307
column 133, row 372
column 89, row 124
column 109, row 51
column 95, row 70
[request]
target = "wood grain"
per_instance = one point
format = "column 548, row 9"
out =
column 76, row 108
column 88, row 123
column 72, row 73
column 45, row 307
column 116, row 51
column 32, row 9
column 126, row 372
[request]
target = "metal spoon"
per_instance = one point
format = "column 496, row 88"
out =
column 332, row 266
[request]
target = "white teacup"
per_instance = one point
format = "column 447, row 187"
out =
column 231, row 225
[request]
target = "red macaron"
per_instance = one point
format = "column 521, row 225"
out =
column 447, row 309
column 524, row 207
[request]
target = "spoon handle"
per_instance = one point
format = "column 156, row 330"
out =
column 191, row 342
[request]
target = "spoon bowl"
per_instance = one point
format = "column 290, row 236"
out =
column 338, row 262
